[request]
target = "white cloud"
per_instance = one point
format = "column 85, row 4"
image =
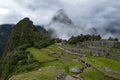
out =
column 40, row 11
column 3, row 11
column 99, row 14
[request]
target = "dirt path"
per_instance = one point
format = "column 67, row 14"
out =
column 81, row 70
column 72, row 78
column 68, row 51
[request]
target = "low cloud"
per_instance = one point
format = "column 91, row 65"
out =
column 92, row 16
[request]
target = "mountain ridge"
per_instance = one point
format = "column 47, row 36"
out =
column 5, row 30
column 20, row 33
column 15, row 57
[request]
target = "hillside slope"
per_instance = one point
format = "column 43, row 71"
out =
column 23, row 32
column 57, row 60
column 15, row 58
column 5, row 30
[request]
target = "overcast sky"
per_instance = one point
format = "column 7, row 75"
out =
column 41, row 11
column 103, row 15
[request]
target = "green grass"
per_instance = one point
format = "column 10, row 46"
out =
column 46, row 73
column 101, row 62
column 55, row 48
column 92, row 74
column 39, row 55
column 57, row 64
column 62, row 65
column 66, row 61
column 116, row 49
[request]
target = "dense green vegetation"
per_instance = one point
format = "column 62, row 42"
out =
column 43, row 43
column 25, row 32
column 5, row 30
column 15, row 58
column 101, row 62
column 17, row 61
column 82, row 38
column 47, row 73
column 113, row 39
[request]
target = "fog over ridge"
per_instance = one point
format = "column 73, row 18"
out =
column 90, row 16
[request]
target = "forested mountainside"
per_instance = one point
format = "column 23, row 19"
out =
column 5, row 30
column 23, row 34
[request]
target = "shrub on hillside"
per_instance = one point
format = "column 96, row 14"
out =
column 82, row 38
column 43, row 43
column 17, row 61
column 113, row 39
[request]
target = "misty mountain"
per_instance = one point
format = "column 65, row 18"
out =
column 109, row 30
column 61, row 25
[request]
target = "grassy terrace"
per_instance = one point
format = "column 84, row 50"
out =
column 44, row 74
column 92, row 74
column 39, row 55
column 102, row 62
column 65, row 61
column 115, row 50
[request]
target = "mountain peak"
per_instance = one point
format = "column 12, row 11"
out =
column 60, row 11
column 25, row 21
column 61, row 25
column 62, row 17
column 22, row 33
column 26, row 18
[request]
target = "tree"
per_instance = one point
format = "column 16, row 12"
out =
column 82, row 38
column 113, row 39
